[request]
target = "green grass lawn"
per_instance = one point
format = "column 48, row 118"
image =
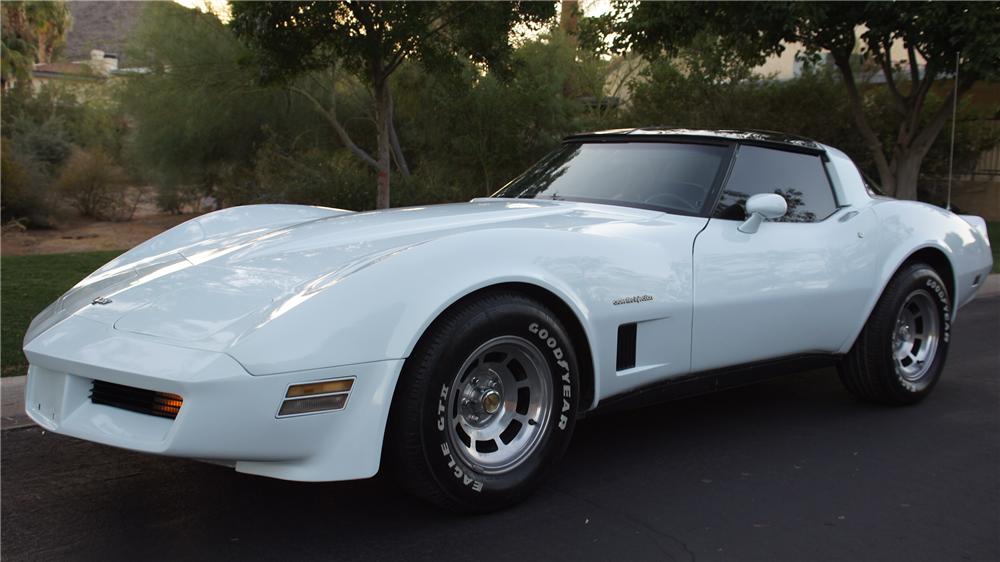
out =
column 29, row 284
column 993, row 227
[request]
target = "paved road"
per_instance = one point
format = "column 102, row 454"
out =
column 792, row 469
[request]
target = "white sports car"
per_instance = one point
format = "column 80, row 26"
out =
column 458, row 344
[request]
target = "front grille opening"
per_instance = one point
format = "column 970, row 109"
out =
column 150, row 402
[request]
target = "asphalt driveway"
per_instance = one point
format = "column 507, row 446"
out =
column 791, row 469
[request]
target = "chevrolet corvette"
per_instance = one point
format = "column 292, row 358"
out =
column 457, row 345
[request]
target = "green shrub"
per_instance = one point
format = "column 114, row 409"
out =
column 40, row 130
column 175, row 197
column 98, row 188
column 45, row 143
column 24, row 190
column 310, row 177
column 429, row 185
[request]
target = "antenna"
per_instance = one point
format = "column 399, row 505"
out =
column 954, row 113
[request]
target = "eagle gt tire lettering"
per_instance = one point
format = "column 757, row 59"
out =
column 486, row 403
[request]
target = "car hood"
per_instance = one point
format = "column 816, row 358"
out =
column 207, row 292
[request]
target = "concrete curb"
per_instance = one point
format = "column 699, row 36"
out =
column 12, row 388
column 12, row 403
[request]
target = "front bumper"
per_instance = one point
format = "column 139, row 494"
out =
column 228, row 416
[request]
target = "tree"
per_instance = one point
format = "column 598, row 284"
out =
column 934, row 35
column 49, row 22
column 507, row 122
column 371, row 40
column 33, row 32
column 18, row 53
column 195, row 112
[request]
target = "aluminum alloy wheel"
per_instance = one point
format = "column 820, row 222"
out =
column 499, row 404
column 916, row 335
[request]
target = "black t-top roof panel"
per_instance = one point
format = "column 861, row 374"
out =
column 750, row 136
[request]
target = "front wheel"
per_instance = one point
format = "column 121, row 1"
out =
column 485, row 405
column 899, row 355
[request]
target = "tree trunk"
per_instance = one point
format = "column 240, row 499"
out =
column 383, row 116
column 887, row 181
column 857, row 105
column 397, row 150
column 906, row 172
column 899, row 176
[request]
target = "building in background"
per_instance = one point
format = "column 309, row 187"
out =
column 95, row 48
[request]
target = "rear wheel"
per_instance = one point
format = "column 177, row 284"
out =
column 899, row 355
column 485, row 405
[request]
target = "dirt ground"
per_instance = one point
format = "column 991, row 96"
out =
column 84, row 235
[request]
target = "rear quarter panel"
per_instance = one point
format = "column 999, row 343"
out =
column 906, row 227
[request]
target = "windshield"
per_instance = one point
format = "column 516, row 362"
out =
column 669, row 176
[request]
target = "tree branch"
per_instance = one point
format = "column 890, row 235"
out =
column 920, row 96
column 331, row 118
column 397, row 59
column 930, row 70
column 410, row 44
column 911, row 55
column 843, row 63
column 320, row 83
column 397, row 150
column 884, row 58
column 925, row 139
column 446, row 21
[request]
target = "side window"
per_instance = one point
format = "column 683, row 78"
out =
column 799, row 178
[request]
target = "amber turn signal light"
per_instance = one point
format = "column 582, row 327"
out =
column 166, row 403
column 327, row 387
column 315, row 397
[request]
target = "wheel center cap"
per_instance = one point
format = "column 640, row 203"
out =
column 491, row 401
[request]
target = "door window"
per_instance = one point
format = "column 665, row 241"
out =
column 799, row 178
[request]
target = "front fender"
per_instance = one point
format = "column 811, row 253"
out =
column 380, row 311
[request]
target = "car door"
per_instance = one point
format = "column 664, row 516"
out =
column 794, row 286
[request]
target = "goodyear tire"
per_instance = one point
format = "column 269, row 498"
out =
column 899, row 355
column 486, row 404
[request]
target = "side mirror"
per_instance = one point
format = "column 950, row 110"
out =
column 763, row 206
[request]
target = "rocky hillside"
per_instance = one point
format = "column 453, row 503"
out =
column 101, row 25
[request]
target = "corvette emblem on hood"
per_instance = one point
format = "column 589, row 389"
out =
column 101, row 300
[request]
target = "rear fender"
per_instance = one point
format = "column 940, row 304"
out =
column 905, row 228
